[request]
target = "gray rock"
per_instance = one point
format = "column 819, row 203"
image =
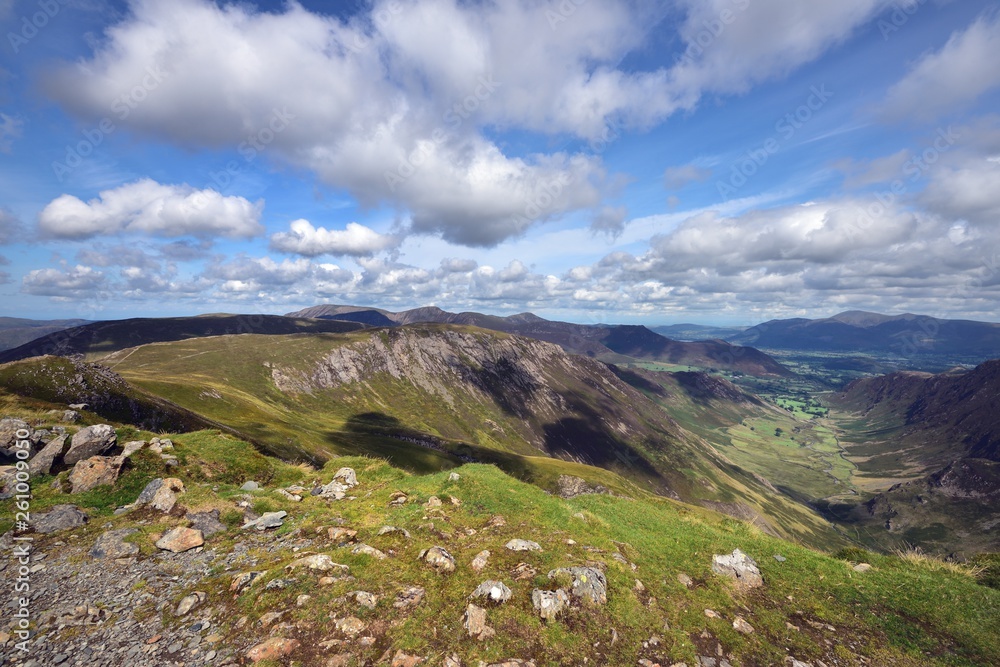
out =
column 738, row 566
column 132, row 447
column 589, row 584
column 369, row 550
column 570, row 487
column 190, row 602
column 334, row 491
column 474, row 622
column 347, row 476
column 267, row 520
column 149, row 492
column 207, row 522
column 70, row 416
column 43, row 461
column 386, row 530
column 250, row 486
column 439, row 559
column 495, row 591
column 8, row 435
column 161, row 494
column 112, row 544
column 523, row 545
column 549, row 604
column 60, row 517
column 480, row 561
column 90, row 441
column 779, row 558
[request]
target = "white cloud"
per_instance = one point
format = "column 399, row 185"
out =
column 970, row 191
column 949, row 79
column 76, row 282
column 357, row 240
column 609, row 220
column 147, row 207
column 398, row 103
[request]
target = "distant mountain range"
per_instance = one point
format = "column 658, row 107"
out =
column 692, row 332
column 904, row 335
column 612, row 343
column 15, row 331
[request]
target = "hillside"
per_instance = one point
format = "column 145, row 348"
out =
column 930, row 446
column 99, row 338
column 612, row 343
column 170, row 562
column 429, row 397
column 905, row 335
column 16, row 331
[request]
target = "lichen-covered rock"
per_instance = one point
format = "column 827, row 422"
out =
column 369, row 551
column 589, row 584
column 495, row 591
column 317, row 563
column 738, row 566
column 549, row 604
column 475, row 624
column 523, row 545
column 347, row 477
column 439, row 559
column 94, row 472
column 480, row 561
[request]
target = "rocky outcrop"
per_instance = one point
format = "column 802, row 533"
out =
column 60, row 517
column 739, row 567
column 90, row 441
column 95, row 471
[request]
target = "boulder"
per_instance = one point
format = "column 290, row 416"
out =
column 60, row 517
column 480, row 561
column 250, row 486
column 439, row 559
column 589, row 584
column 90, row 441
column 267, row 520
column 409, row 597
column 739, row 567
column 347, row 476
column 474, row 622
column 207, row 522
column 179, row 540
column 334, row 491
column 8, row 436
column 161, row 494
column 132, row 447
column 369, row 550
column 274, row 648
column 112, row 544
column 43, row 461
column 95, row 471
column 549, row 604
column 340, row 535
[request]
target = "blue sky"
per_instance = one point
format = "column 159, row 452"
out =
column 720, row 161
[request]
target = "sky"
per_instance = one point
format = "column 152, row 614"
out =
column 711, row 161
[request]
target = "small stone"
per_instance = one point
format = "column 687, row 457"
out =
column 190, row 602
column 409, row 597
column 454, row 477
column 242, row 581
column 549, row 604
column 340, row 535
column 738, row 566
column 401, row 659
column 270, row 618
column 369, row 551
column 433, row 501
column 685, row 580
column 132, row 447
column 317, row 563
column 480, row 561
column 711, row 613
column 350, row 626
column 740, row 625
column 272, row 649
column 496, row 522
column 250, row 486
column 364, row 598
column 387, row 530
column 523, row 571
column 523, row 545
column 779, row 558
column 862, row 567
column 267, row 520
column 474, row 622
column 439, row 559
column 302, row 600
column 495, row 591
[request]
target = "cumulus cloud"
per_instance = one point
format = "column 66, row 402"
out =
column 397, row 103
column 356, row 240
column 76, row 282
column 609, row 220
column 951, row 78
column 147, row 207
column 967, row 192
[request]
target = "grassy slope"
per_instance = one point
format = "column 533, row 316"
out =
column 228, row 379
column 901, row 613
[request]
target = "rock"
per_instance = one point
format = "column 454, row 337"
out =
column 317, row 563
column 350, row 626
column 549, row 604
column 397, row 498
column 364, row 598
column 432, row 502
column 862, row 567
column 711, row 613
column 409, row 597
column 511, row 663
column 9, row 428
column 270, row 618
column 90, row 441
column 290, row 496
column 439, row 559
column 779, row 558
column 190, row 602
column 207, row 522
column 242, row 581
column 179, row 540
column 454, row 477
column 401, row 659
column 570, row 487
column 43, row 461
column 272, row 649
column 132, row 447
column 495, row 591
column 738, row 566
column 480, row 561
column 250, row 486
column 474, row 623
column 60, row 517
column 95, row 471
column 70, row 416
column 685, row 581
column 347, row 476
column 368, row 550
column 589, row 584
column 334, row 491
column 523, row 545
column 302, row 600
column 740, row 625
column 267, row 520
column 342, row 535
column 523, row 571
column 387, row 530
column 112, row 544
column 496, row 522
column 161, row 494
column 452, row 660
